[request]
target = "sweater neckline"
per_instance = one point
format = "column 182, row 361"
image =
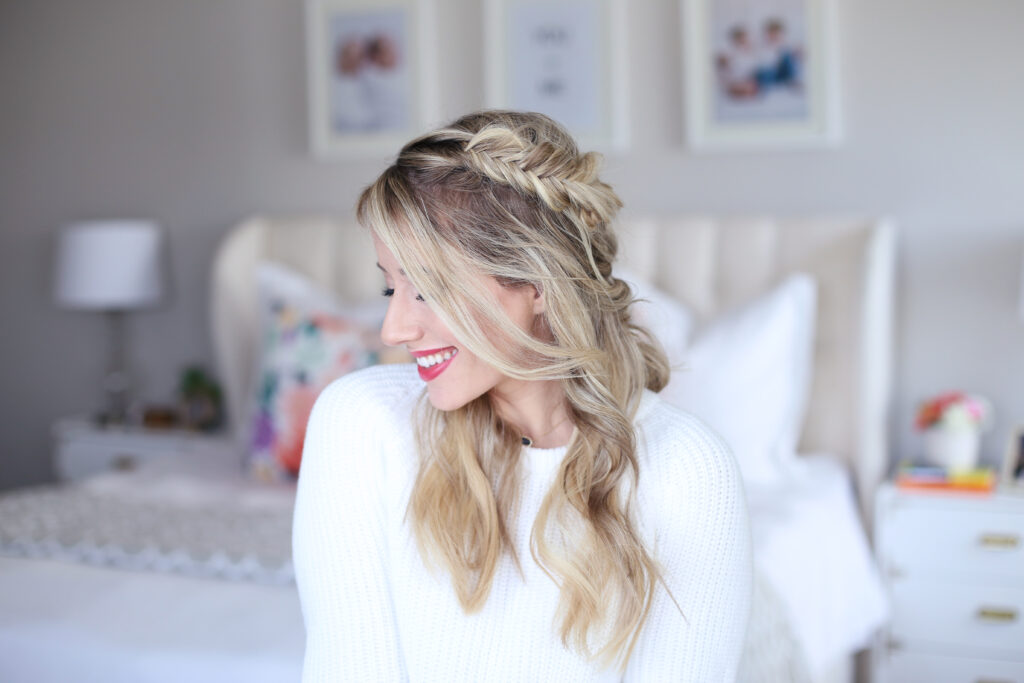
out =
column 546, row 452
column 647, row 401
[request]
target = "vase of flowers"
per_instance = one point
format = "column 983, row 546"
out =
column 952, row 424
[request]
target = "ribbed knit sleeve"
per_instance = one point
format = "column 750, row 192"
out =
column 340, row 543
column 691, row 500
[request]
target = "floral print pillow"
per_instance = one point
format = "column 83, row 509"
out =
column 309, row 340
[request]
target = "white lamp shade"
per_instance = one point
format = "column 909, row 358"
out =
column 109, row 265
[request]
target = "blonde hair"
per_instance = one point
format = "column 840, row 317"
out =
column 508, row 195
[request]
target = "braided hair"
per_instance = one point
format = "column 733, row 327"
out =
column 508, row 195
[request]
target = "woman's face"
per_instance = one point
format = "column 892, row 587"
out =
column 454, row 376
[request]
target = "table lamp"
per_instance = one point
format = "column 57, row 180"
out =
column 111, row 266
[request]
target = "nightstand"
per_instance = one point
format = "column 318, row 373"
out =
column 953, row 566
column 82, row 447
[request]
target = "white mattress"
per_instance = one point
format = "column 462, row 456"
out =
column 810, row 547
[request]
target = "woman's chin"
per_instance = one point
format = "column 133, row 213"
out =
column 443, row 402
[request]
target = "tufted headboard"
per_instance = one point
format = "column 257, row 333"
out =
column 709, row 263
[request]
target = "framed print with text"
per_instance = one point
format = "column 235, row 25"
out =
column 370, row 74
column 563, row 58
column 760, row 74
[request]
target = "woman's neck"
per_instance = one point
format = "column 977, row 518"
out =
column 538, row 409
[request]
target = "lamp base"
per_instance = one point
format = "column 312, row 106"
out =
column 117, row 382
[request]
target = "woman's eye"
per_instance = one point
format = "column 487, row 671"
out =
column 390, row 291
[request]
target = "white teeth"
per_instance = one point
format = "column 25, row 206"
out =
column 434, row 359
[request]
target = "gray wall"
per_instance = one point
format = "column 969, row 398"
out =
column 193, row 113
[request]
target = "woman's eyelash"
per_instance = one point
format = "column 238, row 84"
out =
column 390, row 291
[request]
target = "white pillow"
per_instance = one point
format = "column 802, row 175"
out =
column 748, row 376
column 668, row 320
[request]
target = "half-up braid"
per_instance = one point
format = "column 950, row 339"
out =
column 508, row 195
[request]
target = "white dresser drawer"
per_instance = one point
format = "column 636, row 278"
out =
column 986, row 619
column 914, row 667
column 918, row 668
column 83, row 448
column 954, row 570
column 979, row 545
column 80, row 460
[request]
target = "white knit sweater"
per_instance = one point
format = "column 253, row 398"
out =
column 374, row 612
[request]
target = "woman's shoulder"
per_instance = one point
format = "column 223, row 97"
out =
column 680, row 455
column 665, row 427
column 367, row 411
column 689, row 490
column 378, row 392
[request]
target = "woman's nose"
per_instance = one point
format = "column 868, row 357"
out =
column 400, row 326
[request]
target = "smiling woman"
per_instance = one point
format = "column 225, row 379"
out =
column 541, row 429
column 411, row 323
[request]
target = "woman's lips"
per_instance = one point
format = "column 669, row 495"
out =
column 427, row 374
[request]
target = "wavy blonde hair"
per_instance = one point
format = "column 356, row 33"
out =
column 508, row 195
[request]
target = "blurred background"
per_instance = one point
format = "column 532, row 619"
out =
column 194, row 115
column 182, row 119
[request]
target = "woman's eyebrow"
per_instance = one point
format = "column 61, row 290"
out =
column 385, row 270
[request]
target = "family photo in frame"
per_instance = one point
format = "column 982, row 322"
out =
column 370, row 74
column 760, row 74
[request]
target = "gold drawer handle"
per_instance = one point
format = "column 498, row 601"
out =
column 1001, row 541
column 1002, row 615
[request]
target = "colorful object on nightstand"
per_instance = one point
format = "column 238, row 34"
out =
column 953, row 409
column 952, row 424
column 200, row 398
column 978, row 480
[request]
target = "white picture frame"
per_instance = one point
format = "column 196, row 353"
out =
column 761, row 75
column 1012, row 471
column 563, row 58
column 371, row 75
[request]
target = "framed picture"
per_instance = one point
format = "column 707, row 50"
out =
column 370, row 75
column 1013, row 463
column 760, row 74
column 563, row 58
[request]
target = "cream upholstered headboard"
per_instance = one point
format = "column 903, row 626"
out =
column 709, row 263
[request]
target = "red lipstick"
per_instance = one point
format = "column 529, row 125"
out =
column 427, row 374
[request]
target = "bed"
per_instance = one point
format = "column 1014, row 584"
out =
column 181, row 570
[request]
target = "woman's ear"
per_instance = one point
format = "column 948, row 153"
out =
column 539, row 306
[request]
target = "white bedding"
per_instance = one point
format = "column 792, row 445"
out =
column 63, row 620
column 69, row 622
column 187, row 514
column 809, row 546
column 59, row 619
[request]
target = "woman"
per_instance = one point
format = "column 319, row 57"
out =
column 540, row 515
